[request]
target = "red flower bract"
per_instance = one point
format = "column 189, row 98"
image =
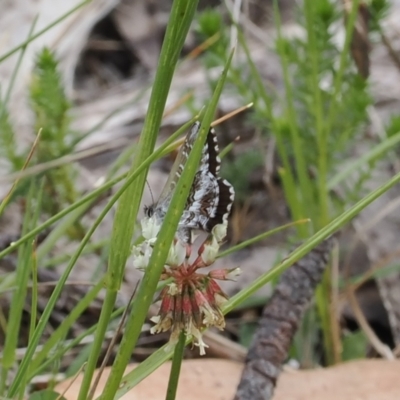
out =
column 193, row 301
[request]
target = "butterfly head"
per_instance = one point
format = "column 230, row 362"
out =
column 149, row 210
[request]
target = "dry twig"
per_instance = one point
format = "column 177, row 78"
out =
column 278, row 324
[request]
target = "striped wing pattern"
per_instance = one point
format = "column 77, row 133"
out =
column 210, row 198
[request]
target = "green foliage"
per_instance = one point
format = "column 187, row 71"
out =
column 8, row 145
column 317, row 122
column 21, row 278
column 46, row 395
column 377, row 9
column 246, row 332
column 210, row 24
column 51, row 108
column 393, row 126
column 306, row 341
column 312, row 90
column 354, row 345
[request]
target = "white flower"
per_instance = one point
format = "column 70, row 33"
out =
column 219, row 231
column 140, row 262
column 161, row 325
column 220, row 301
column 173, row 289
column 155, row 329
column 176, row 254
column 210, row 252
column 233, row 273
column 150, row 228
column 210, row 316
column 141, row 255
column 136, row 250
column 198, row 336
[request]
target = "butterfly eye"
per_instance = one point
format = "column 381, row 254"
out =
column 148, row 211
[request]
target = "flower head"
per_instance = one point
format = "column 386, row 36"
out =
column 193, row 300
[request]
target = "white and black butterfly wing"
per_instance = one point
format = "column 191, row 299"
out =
column 210, row 198
column 161, row 206
column 179, row 163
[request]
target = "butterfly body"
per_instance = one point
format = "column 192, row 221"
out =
column 210, row 198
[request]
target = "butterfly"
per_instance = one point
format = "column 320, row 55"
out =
column 210, row 198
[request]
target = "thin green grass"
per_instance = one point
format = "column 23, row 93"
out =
column 180, row 19
column 23, row 272
column 316, row 123
column 162, row 355
column 23, row 368
column 176, row 367
column 161, row 249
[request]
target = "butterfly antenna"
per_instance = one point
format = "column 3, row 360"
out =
column 151, row 193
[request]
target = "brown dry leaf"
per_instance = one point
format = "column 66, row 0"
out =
column 217, row 379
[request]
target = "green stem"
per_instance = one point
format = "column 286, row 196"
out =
column 342, row 65
column 307, row 198
column 58, row 288
column 323, row 291
column 105, row 317
column 367, row 158
column 181, row 16
column 61, row 214
column 162, row 355
column 33, row 208
column 317, row 111
column 289, row 183
column 60, row 332
column 59, row 353
column 259, row 237
column 176, row 367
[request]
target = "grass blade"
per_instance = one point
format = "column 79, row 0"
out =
column 181, row 16
column 160, row 356
column 23, row 271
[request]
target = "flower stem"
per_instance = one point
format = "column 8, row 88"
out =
column 176, row 367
